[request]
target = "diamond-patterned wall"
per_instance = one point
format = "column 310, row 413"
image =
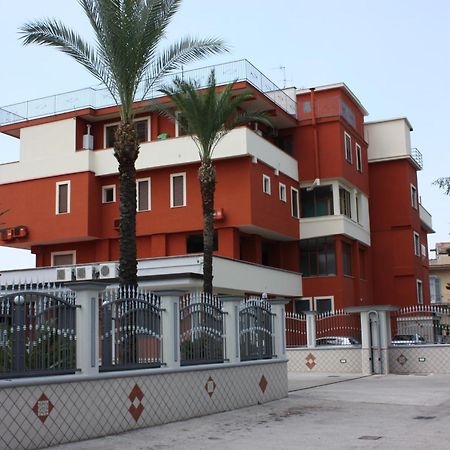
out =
column 342, row 360
column 44, row 415
column 419, row 359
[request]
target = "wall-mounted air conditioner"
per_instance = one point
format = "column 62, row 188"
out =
column 64, row 274
column 108, row 270
column 84, row 273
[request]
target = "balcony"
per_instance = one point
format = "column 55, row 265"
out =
column 97, row 98
column 416, row 156
column 425, row 218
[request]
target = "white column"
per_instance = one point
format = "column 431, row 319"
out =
column 336, row 202
column 87, row 324
column 366, row 363
column 311, row 329
column 230, row 306
column 385, row 338
column 279, row 327
column 170, row 323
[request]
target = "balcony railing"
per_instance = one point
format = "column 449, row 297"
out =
column 96, row 98
column 417, row 157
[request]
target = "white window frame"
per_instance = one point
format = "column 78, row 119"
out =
column 298, row 203
column 139, row 180
column 414, row 199
column 68, row 252
column 104, row 189
column 267, row 186
column 282, row 192
column 419, row 291
column 416, row 240
column 324, row 297
column 348, row 152
column 310, row 300
column 61, row 183
column 108, row 125
column 172, row 176
column 359, row 165
column 137, row 119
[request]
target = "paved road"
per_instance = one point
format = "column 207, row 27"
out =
column 322, row 412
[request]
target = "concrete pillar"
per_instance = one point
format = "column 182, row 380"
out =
column 87, row 324
column 170, row 324
column 279, row 326
column 311, row 329
column 230, row 306
column 385, row 339
column 366, row 342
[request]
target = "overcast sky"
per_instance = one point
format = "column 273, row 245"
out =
column 394, row 55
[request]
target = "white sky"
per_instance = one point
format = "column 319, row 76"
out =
column 394, row 55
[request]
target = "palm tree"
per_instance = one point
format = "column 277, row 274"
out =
column 207, row 116
column 125, row 58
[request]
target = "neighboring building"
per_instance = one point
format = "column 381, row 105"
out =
column 440, row 274
column 293, row 200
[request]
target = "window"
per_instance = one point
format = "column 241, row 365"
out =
column 294, row 203
column 323, row 304
column 266, row 185
column 416, row 244
column 63, row 258
column 413, row 196
column 110, row 135
column 318, row 256
column 177, row 190
column 282, row 192
column 303, row 305
column 142, row 129
column 358, row 158
column 306, row 106
column 143, row 189
column 179, row 130
column 435, row 289
column 317, row 202
column 357, row 201
column 194, row 243
column 348, row 147
column 108, row 194
column 346, row 258
column 419, row 287
column 345, row 202
column 63, row 197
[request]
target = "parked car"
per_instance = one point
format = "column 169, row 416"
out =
column 337, row 340
column 408, row 339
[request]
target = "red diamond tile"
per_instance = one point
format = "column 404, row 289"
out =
column 136, row 393
column 136, row 408
column 263, row 384
column 42, row 408
column 210, row 387
column 310, row 361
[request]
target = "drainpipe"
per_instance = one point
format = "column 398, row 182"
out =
column 315, row 134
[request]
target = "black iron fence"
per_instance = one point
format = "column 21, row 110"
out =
column 201, row 329
column 37, row 332
column 130, row 327
column 255, row 329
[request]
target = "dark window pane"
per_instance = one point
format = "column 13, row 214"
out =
column 178, row 190
column 317, row 202
column 194, row 243
column 323, row 305
column 294, row 200
column 63, row 198
column 318, row 257
column 110, row 134
column 302, row 305
column 142, row 130
column 143, row 197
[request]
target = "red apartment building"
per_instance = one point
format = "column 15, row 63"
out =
column 292, row 203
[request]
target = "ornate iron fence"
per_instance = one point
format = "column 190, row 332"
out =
column 130, row 327
column 420, row 324
column 295, row 330
column 37, row 332
column 201, row 329
column 255, row 329
column 338, row 328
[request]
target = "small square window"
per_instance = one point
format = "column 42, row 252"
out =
column 348, row 147
column 63, row 258
column 266, row 185
column 324, row 304
column 108, row 194
column 282, row 192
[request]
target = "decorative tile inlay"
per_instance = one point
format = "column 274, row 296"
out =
column 210, row 387
column 136, row 408
column 42, row 408
column 402, row 359
column 310, row 361
column 263, row 384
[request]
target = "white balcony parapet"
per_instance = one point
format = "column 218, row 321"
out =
column 425, row 218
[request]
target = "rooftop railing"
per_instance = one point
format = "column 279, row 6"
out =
column 417, row 157
column 99, row 97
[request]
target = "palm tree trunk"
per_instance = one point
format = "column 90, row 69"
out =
column 126, row 150
column 207, row 178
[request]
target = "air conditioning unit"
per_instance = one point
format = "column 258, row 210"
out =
column 108, row 270
column 64, row 274
column 84, row 273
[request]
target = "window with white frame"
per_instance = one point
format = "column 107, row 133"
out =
column 177, row 190
column 323, row 304
column 303, row 305
column 66, row 258
column 143, row 194
column 348, row 147
column 282, row 192
column 179, row 130
column 345, row 202
column 63, row 197
column 358, row 158
column 416, row 243
column 266, row 185
column 358, row 206
column 435, row 289
column 142, row 130
column 294, row 203
column 419, row 285
column 109, row 194
column 414, row 202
